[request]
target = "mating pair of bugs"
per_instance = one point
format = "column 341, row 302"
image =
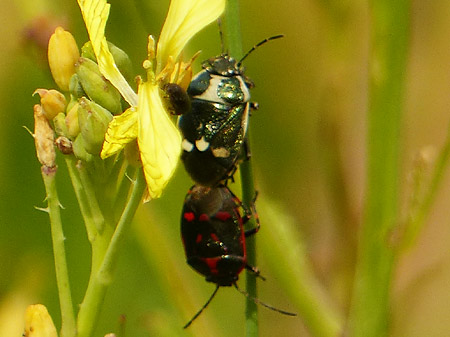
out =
column 214, row 117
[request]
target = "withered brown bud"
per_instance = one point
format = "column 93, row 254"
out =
column 43, row 138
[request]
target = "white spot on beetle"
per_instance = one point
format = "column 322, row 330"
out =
column 220, row 152
column 187, row 145
column 244, row 123
column 202, row 144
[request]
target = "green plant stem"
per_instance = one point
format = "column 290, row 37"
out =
column 96, row 213
column 99, row 283
column 59, row 252
column 369, row 316
column 81, row 197
column 89, row 206
column 234, row 40
column 248, row 195
column 232, row 29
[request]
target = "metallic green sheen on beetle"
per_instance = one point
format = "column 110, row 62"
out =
column 214, row 128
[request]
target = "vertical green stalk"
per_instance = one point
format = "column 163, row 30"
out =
column 248, row 194
column 100, row 281
column 369, row 315
column 90, row 211
column 234, row 41
column 96, row 213
column 59, row 252
column 81, row 197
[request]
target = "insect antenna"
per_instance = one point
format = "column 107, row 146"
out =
column 222, row 43
column 257, row 301
column 256, row 46
column 203, row 308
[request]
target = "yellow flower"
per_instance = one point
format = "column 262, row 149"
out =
column 147, row 120
column 38, row 322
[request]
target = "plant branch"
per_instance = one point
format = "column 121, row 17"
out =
column 59, row 252
column 97, row 215
column 98, row 284
column 81, row 197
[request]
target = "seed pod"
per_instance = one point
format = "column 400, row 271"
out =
column 63, row 53
column 97, row 87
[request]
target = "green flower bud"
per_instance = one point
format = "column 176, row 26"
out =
column 60, row 124
column 123, row 62
column 75, row 88
column 52, row 101
column 63, row 53
column 97, row 87
column 121, row 59
column 79, row 149
column 93, row 120
column 73, row 101
column 88, row 52
column 72, row 124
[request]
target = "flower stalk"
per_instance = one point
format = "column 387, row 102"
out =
column 100, row 281
column 59, row 253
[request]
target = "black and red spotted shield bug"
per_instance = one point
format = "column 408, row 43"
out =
column 212, row 230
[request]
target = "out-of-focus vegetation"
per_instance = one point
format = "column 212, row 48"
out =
column 309, row 149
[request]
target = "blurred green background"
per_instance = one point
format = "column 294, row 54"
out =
column 309, row 151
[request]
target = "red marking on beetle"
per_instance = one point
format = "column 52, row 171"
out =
column 223, row 216
column 198, row 239
column 244, row 246
column 211, row 262
column 214, row 237
column 189, row 216
column 203, row 217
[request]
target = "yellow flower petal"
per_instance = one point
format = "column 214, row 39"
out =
column 159, row 140
column 38, row 322
column 185, row 19
column 121, row 130
column 95, row 14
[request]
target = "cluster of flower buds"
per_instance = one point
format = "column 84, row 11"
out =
column 81, row 121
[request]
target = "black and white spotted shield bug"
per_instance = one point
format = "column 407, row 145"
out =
column 215, row 126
